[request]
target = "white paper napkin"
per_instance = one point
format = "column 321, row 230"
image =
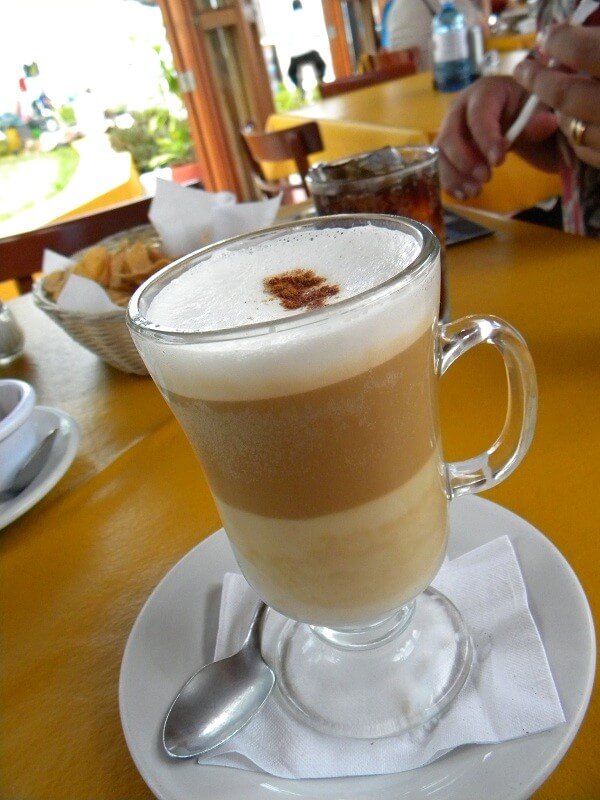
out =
column 510, row 691
column 79, row 294
column 52, row 261
column 187, row 218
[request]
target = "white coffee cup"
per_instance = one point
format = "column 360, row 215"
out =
column 18, row 436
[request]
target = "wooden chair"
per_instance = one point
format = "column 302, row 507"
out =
column 404, row 60
column 21, row 255
column 351, row 83
column 294, row 144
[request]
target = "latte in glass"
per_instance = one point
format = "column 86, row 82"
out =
column 319, row 440
column 302, row 361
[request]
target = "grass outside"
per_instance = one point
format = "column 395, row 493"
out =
column 286, row 99
column 28, row 178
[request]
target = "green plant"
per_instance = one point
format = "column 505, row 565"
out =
column 290, row 99
column 157, row 138
column 67, row 115
column 160, row 136
column 169, row 74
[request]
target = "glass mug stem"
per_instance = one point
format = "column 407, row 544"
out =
column 495, row 464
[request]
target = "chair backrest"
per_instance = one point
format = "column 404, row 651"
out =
column 21, row 255
column 405, row 60
column 295, row 143
column 352, row 82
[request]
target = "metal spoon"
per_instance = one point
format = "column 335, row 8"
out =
column 218, row 700
column 31, row 468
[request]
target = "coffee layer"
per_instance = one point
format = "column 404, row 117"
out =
column 350, row 568
column 323, row 451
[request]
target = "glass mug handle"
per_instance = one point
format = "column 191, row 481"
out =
column 497, row 462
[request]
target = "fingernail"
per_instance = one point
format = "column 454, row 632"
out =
column 494, row 155
column 458, row 194
column 471, row 189
column 523, row 71
column 480, row 174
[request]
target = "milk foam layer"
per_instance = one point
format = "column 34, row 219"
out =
column 227, row 291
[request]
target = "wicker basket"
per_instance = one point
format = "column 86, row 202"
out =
column 105, row 334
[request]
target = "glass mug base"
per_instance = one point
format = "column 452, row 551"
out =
column 377, row 681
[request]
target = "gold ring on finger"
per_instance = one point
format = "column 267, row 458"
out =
column 577, row 129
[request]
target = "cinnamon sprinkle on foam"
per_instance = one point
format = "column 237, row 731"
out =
column 300, row 288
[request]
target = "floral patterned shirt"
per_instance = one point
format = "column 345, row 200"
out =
column 580, row 181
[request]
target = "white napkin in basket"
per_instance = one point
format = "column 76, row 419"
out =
column 79, row 294
column 187, row 218
column 510, row 692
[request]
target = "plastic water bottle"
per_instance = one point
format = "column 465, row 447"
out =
column 451, row 57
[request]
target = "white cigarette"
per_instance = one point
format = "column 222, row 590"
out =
column 525, row 114
column 522, row 119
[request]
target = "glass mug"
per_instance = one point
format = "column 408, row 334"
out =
column 318, row 433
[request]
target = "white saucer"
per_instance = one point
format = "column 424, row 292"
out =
column 175, row 631
column 61, row 455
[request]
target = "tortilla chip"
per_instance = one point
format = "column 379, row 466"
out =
column 95, row 265
column 54, row 282
column 119, row 296
column 120, row 272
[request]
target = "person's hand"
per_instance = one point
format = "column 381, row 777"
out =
column 573, row 89
column 471, row 140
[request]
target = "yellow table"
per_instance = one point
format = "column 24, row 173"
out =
column 76, row 569
column 508, row 42
column 376, row 113
column 68, row 376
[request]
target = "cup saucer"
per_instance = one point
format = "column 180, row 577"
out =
column 174, row 634
column 61, row 456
